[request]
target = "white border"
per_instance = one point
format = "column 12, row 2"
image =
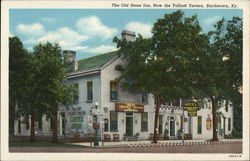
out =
column 5, row 155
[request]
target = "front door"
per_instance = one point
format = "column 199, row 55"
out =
column 129, row 124
column 172, row 128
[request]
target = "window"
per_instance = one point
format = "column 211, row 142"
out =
column 176, row 103
column 229, row 124
column 144, row 98
column 27, row 122
column 75, row 92
column 51, row 123
column 113, row 121
column 90, row 91
column 144, row 122
column 113, row 90
column 226, row 105
column 40, row 124
column 106, row 125
column 199, row 128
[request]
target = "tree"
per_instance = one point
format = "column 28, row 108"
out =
column 160, row 65
column 220, row 67
column 19, row 68
column 48, row 83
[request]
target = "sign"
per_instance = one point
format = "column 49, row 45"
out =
column 191, row 107
column 129, row 107
column 76, row 119
column 208, row 123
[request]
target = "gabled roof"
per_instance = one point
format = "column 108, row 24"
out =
column 94, row 61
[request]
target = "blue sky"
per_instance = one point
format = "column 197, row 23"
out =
column 90, row 32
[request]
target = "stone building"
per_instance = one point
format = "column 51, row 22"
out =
column 120, row 112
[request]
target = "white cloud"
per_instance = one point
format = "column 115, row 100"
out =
column 48, row 19
column 212, row 20
column 31, row 29
column 67, row 38
column 102, row 49
column 94, row 27
column 140, row 28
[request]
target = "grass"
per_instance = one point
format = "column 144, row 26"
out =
column 42, row 144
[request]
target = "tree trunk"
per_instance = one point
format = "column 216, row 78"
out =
column 156, row 118
column 214, row 110
column 55, row 131
column 32, row 128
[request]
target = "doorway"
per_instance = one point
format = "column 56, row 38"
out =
column 172, row 127
column 129, row 124
column 62, row 122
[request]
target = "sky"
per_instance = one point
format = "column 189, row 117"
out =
column 90, row 32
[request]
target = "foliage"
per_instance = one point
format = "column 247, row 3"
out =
column 19, row 70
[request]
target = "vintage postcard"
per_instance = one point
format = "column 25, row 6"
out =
column 125, row 80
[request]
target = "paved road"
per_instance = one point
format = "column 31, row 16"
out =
column 220, row 148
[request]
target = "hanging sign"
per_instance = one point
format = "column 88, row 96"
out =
column 191, row 107
column 208, row 123
column 129, row 107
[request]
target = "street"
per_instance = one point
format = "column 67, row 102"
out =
column 216, row 148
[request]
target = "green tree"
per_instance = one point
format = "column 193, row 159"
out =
column 160, row 65
column 220, row 68
column 19, row 69
column 48, row 83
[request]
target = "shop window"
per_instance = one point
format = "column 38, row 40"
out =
column 144, row 122
column 199, row 123
column 106, row 125
column 89, row 90
column 144, row 98
column 75, row 92
column 229, row 124
column 113, row 90
column 113, row 121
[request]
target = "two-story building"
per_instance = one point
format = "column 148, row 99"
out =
column 101, row 99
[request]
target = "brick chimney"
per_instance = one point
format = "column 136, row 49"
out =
column 70, row 58
column 128, row 35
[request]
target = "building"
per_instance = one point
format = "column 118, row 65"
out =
column 120, row 112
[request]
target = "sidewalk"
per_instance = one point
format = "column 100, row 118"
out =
column 160, row 143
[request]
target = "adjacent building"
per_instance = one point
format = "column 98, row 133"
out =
column 123, row 113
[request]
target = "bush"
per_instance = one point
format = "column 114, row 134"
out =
column 236, row 133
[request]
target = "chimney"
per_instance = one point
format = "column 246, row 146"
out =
column 128, row 35
column 70, row 59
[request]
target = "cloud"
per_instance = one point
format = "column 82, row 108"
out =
column 140, row 28
column 31, row 29
column 102, row 49
column 67, row 38
column 48, row 19
column 93, row 26
column 212, row 20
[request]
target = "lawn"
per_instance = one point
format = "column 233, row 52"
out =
column 42, row 144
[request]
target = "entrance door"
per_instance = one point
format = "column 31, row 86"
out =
column 172, row 127
column 129, row 124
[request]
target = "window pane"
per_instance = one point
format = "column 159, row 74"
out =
column 90, row 90
column 199, row 129
column 113, row 90
column 75, row 92
column 229, row 124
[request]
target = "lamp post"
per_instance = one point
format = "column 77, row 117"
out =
column 96, row 125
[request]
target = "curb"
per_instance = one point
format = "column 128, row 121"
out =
column 185, row 143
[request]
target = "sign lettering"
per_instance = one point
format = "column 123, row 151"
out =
column 129, row 107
